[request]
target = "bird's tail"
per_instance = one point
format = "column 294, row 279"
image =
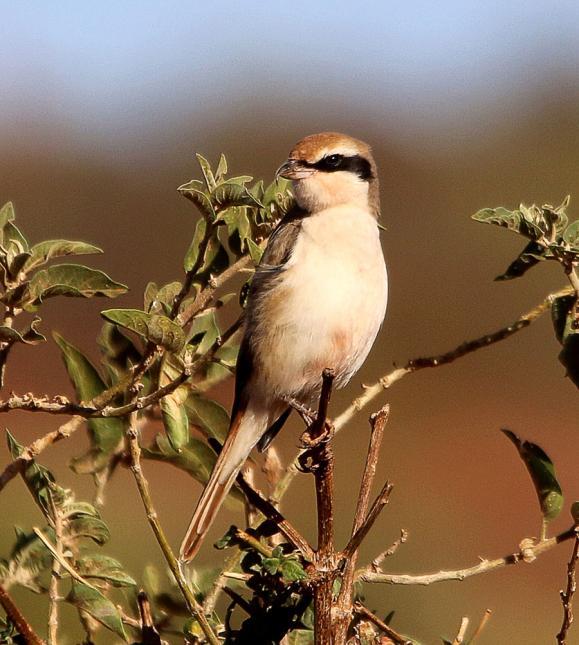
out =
column 245, row 431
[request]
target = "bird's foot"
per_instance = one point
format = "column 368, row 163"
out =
column 308, row 442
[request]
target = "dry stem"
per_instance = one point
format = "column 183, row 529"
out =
column 526, row 554
column 567, row 596
column 143, row 486
column 22, row 625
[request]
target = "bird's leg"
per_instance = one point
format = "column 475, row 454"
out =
column 307, row 414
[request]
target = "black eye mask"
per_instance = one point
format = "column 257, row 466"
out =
column 336, row 162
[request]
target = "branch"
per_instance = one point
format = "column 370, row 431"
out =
column 525, row 554
column 392, row 635
column 271, row 512
column 22, row 625
column 30, row 453
column 448, row 357
column 384, row 383
column 368, row 522
column 459, row 638
column 344, row 601
column 322, row 465
column 567, row 596
column 204, row 297
column 143, row 486
column 91, row 410
column 53, row 597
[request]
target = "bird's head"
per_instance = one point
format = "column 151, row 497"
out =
column 332, row 169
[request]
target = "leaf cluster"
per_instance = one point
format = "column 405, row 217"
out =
column 71, row 528
column 280, row 604
column 550, row 236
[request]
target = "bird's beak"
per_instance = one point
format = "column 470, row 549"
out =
column 294, row 169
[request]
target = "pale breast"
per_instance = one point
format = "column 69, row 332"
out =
column 328, row 304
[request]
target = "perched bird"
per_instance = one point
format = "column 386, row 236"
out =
column 317, row 301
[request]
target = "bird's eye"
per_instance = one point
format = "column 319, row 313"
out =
column 333, row 161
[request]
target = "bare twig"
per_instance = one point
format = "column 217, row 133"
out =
column 344, row 600
column 526, row 554
column 459, row 638
column 271, row 512
column 392, row 635
column 22, row 625
column 36, row 447
column 358, row 537
column 567, row 595
column 61, row 559
column 143, row 486
column 53, row 596
column 483, row 623
column 391, row 550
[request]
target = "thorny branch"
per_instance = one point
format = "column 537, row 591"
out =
column 525, row 554
column 567, row 595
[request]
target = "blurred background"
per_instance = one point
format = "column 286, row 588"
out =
column 466, row 105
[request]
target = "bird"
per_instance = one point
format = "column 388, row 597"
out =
column 317, row 300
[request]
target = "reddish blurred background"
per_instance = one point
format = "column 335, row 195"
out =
column 466, row 106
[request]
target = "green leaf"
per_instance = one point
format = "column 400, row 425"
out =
column 292, row 570
column 233, row 193
column 195, row 192
column 90, row 527
column 103, row 567
column 42, row 252
column 255, row 251
column 39, row 480
column 192, row 254
column 203, row 333
column 71, row 280
column 211, row 417
column 525, row 221
column 120, row 351
column 155, row 328
column 542, row 472
column 29, row 337
column 271, row 565
column 571, row 235
column 569, row 356
column 106, row 433
column 98, row 606
column 561, row 316
column 531, row 255
column 206, row 170
column 173, row 410
column 6, row 214
column 221, row 169
column 215, row 258
column 196, row 458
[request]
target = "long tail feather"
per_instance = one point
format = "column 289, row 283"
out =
column 244, row 433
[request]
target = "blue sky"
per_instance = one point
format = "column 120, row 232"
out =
column 107, row 64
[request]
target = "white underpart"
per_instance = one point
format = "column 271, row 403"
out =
column 329, row 304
